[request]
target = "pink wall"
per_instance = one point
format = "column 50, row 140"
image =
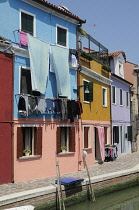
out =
column 45, row 165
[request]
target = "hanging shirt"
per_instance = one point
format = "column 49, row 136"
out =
column 49, row 105
column 23, row 105
column 41, row 105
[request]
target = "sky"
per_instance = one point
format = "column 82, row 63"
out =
column 113, row 23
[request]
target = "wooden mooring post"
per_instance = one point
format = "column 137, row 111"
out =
column 59, row 188
column 91, row 191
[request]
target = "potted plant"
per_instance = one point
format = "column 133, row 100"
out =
column 26, row 151
column 64, row 149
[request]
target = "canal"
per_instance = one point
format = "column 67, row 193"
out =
column 127, row 199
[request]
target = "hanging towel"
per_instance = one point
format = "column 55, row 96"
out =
column 74, row 61
column 61, row 64
column 39, row 63
column 101, row 141
column 23, row 38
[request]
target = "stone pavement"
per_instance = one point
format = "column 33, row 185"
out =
column 124, row 162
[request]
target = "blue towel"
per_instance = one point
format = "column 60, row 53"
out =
column 69, row 180
column 39, row 63
column 61, row 65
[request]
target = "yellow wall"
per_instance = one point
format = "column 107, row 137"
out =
column 95, row 110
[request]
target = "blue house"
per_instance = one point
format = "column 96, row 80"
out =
column 42, row 38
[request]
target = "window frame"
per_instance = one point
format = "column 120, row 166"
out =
column 71, row 134
column 114, row 138
column 85, row 101
column 89, row 137
column 121, row 97
column 20, row 73
column 67, row 32
column 106, row 100
column 36, row 150
column 34, row 20
column 114, row 94
column 127, row 99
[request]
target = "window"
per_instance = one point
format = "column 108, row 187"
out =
column 121, row 97
column 25, row 81
column 29, row 138
column 115, row 134
column 127, row 99
column 104, row 97
column 113, row 95
column 129, row 133
column 86, row 137
column 27, row 23
column 88, row 91
column 105, row 134
column 62, row 36
column 66, row 137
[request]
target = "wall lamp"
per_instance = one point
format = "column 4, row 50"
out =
column 86, row 87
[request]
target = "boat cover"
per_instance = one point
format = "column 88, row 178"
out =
column 69, row 180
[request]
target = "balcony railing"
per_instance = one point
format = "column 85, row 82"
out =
column 95, row 49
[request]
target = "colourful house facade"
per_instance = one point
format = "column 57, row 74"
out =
column 120, row 99
column 97, row 111
column 43, row 87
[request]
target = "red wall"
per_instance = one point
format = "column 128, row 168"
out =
column 6, row 89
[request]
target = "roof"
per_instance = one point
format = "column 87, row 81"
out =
column 113, row 54
column 60, row 9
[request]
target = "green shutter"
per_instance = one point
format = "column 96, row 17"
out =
column 27, row 23
column 61, row 36
column 90, row 91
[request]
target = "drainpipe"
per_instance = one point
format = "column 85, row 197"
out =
column 13, row 118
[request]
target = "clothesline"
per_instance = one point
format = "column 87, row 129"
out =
column 67, row 108
column 23, row 94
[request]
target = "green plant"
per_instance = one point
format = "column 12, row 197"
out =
column 26, row 151
column 106, row 67
column 63, row 148
column 82, row 32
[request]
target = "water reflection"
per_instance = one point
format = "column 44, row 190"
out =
column 127, row 199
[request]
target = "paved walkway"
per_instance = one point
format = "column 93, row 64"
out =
column 124, row 162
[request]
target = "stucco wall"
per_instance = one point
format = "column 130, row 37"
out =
column 45, row 166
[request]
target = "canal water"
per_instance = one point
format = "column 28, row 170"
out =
column 127, row 199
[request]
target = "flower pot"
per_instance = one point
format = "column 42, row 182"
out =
column 26, row 154
column 64, row 151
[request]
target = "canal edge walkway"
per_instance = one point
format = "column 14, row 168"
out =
column 23, row 194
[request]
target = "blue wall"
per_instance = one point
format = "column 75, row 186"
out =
column 46, row 31
column 45, row 22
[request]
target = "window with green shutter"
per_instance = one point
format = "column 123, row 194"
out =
column 88, row 96
column 61, row 36
column 27, row 23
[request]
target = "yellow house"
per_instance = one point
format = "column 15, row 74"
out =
column 94, row 93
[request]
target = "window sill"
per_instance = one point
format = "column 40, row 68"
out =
column 29, row 157
column 65, row 153
column 87, row 148
column 105, row 106
column 86, row 102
